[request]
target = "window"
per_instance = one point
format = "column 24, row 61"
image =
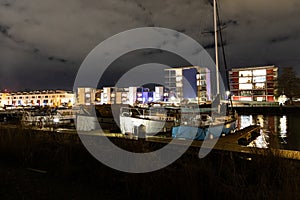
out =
column 260, row 72
column 245, row 73
column 245, row 87
column 245, row 80
column 246, row 93
column 259, row 86
column 259, row 79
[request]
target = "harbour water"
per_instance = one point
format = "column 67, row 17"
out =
column 283, row 131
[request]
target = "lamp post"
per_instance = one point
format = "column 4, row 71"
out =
column 229, row 99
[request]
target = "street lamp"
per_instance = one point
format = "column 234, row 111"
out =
column 229, row 98
column 227, row 94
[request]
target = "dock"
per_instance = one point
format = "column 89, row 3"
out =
column 228, row 143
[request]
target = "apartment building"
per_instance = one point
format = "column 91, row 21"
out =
column 254, row 83
column 38, row 98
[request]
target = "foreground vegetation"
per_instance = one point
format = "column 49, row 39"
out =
column 48, row 165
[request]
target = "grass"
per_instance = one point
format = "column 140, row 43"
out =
column 72, row 173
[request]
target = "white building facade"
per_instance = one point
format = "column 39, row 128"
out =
column 38, row 98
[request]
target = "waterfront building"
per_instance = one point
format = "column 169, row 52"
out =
column 192, row 82
column 130, row 95
column 37, row 98
column 254, row 83
column 114, row 95
column 86, row 96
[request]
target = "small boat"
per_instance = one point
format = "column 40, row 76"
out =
column 48, row 118
column 204, row 126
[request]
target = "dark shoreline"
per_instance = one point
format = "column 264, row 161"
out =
column 265, row 110
column 71, row 172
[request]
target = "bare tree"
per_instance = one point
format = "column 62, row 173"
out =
column 289, row 83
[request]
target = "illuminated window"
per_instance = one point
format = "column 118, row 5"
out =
column 260, row 99
column 260, row 86
column 178, row 79
column 259, row 79
column 245, row 86
column 245, row 73
column 245, row 80
column 261, row 72
column 246, row 93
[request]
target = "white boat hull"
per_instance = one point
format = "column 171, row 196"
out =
column 128, row 125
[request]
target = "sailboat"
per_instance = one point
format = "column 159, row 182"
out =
column 194, row 125
column 186, row 121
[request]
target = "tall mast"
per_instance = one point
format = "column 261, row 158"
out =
column 216, row 46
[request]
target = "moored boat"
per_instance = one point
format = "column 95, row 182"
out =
column 155, row 120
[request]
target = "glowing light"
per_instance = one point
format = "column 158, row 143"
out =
column 246, row 120
column 283, row 126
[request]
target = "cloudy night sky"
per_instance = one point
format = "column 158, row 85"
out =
column 43, row 43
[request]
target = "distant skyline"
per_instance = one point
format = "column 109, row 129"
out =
column 43, row 43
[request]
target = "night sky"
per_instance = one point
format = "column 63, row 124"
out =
column 43, row 43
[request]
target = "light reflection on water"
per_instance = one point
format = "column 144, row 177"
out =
column 280, row 131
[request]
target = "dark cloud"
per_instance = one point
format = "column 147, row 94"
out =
column 280, row 39
column 4, row 30
column 52, row 58
column 212, row 45
column 53, row 34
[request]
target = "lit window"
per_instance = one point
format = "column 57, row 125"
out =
column 245, row 73
column 260, row 72
column 245, row 80
column 259, row 79
column 245, row 87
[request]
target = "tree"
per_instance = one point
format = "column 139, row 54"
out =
column 289, row 83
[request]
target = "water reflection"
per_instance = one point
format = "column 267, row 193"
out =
column 283, row 126
column 277, row 131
